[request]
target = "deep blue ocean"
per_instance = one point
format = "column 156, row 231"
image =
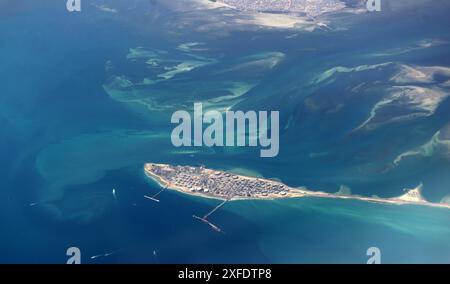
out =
column 69, row 135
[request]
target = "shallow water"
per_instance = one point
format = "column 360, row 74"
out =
column 67, row 141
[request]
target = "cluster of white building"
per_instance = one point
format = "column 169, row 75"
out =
column 309, row 7
column 223, row 184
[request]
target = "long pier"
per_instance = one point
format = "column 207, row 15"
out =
column 215, row 209
column 153, row 197
column 205, row 220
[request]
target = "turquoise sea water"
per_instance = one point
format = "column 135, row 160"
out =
column 80, row 113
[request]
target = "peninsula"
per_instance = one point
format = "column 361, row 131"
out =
column 221, row 185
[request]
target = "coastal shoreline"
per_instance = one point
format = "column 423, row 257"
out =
column 411, row 197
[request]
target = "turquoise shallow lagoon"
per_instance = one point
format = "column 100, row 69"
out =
column 86, row 100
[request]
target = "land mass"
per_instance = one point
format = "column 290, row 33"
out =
column 221, row 185
column 308, row 7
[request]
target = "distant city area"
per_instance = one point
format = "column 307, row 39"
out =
column 309, row 7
